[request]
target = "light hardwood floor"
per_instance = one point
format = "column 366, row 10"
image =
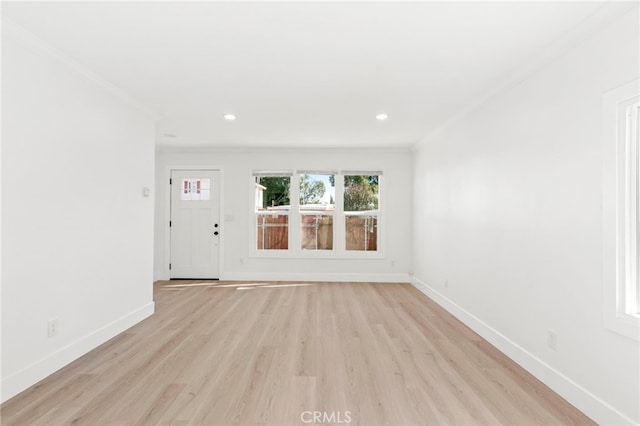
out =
column 226, row 353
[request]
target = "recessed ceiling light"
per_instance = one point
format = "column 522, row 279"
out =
column 229, row 117
column 382, row 117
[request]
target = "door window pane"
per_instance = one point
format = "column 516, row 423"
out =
column 195, row 189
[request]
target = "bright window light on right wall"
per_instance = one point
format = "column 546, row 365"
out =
column 621, row 209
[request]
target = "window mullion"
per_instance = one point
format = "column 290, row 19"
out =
column 339, row 228
column 295, row 221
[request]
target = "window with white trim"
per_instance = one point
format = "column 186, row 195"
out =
column 361, row 204
column 317, row 213
column 272, row 195
column 631, row 221
column 621, row 209
column 317, row 208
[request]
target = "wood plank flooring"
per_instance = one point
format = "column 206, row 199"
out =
column 229, row 353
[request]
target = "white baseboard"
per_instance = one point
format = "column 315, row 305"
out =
column 32, row 374
column 594, row 407
column 305, row 276
column 315, row 276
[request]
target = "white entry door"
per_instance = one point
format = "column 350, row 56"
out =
column 195, row 224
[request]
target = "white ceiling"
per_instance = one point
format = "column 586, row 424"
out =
column 301, row 74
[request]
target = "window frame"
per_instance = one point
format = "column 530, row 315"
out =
column 256, row 214
column 376, row 213
column 332, row 213
column 621, row 109
column 295, row 250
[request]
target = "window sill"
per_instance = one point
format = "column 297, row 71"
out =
column 321, row 254
column 625, row 325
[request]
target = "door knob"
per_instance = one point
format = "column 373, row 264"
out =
column 216, row 233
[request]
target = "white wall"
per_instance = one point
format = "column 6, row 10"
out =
column 238, row 193
column 77, row 233
column 507, row 208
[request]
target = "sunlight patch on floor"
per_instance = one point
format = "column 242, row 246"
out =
column 187, row 285
column 237, row 286
column 245, row 287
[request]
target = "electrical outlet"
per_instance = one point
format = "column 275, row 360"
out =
column 52, row 327
column 552, row 340
column 393, row 263
column 446, row 283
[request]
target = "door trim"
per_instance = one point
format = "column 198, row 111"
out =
column 167, row 214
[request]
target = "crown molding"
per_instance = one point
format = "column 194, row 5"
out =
column 599, row 19
column 201, row 149
column 15, row 31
